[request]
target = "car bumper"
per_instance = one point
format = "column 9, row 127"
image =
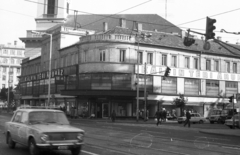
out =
column 59, row 146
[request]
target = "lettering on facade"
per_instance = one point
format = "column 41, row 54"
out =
column 198, row 74
column 219, row 77
column 211, row 75
column 191, row 73
column 226, row 77
column 174, row 72
column 233, row 76
column 153, row 70
column 205, row 75
column 181, row 72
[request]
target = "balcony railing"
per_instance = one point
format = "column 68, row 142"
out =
column 110, row 37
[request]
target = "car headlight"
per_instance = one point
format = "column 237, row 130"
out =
column 80, row 136
column 44, row 137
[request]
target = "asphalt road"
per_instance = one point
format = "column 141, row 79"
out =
column 106, row 138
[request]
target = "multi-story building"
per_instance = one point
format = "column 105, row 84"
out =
column 11, row 57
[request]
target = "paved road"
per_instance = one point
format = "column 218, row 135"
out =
column 105, row 138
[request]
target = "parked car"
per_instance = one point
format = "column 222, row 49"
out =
column 195, row 118
column 229, row 122
column 43, row 129
column 220, row 115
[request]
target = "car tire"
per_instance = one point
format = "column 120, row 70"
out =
column 10, row 142
column 201, row 122
column 212, row 122
column 76, row 151
column 33, row 150
column 230, row 126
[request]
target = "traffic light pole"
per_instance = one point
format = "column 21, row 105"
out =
column 233, row 112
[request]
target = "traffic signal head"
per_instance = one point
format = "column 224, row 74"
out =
column 209, row 28
column 231, row 99
column 167, row 71
column 188, row 41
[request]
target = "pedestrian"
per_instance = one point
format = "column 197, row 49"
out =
column 113, row 116
column 164, row 114
column 157, row 115
column 188, row 117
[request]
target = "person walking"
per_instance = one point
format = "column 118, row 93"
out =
column 157, row 115
column 188, row 117
column 164, row 114
column 113, row 116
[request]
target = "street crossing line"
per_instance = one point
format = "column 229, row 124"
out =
column 89, row 152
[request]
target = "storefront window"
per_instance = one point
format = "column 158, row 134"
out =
column 121, row 81
column 231, row 88
column 36, row 87
column 85, row 81
column 212, row 87
column 101, row 81
column 41, row 87
column 149, row 83
column 169, row 85
column 71, row 82
column 191, row 86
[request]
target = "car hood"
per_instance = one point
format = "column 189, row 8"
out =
column 56, row 128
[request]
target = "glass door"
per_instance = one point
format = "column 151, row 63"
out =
column 105, row 110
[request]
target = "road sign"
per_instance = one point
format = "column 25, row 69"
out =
column 206, row 46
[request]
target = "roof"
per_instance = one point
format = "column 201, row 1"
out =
column 149, row 22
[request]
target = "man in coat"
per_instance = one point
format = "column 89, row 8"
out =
column 157, row 115
column 188, row 117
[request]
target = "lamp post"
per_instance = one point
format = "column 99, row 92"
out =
column 9, row 84
column 141, row 36
column 50, row 62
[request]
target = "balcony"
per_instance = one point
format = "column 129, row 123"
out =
column 32, row 35
column 107, row 37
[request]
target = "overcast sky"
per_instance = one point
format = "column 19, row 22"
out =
column 17, row 16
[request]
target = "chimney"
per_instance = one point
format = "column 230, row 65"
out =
column 122, row 23
column 15, row 42
column 219, row 38
column 105, row 26
column 139, row 27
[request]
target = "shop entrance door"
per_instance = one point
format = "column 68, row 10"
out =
column 105, row 110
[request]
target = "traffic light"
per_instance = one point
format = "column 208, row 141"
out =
column 188, row 41
column 167, row 71
column 231, row 99
column 209, row 28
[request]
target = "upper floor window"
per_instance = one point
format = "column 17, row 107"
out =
column 140, row 57
column 122, row 55
column 85, row 56
column 208, row 65
column 4, row 69
column 51, row 7
column 18, row 70
column 216, row 65
column 12, row 61
column 4, row 77
column 102, row 55
column 5, row 60
column 12, row 52
column 73, row 59
column 227, row 66
column 186, row 63
column 164, row 60
column 67, row 7
column 149, row 58
column 5, row 51
column 195, row 63
column 234, row 67
column 174, row 61
column 19, row 52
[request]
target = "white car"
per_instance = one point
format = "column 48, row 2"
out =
column 229, row 122
column 195, row 118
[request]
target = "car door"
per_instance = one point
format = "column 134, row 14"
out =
column 198, row 117
column 193, row 119
column 22, row 131
column 15, row 125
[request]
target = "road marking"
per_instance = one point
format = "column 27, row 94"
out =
column 110, row 127
column 89, row 152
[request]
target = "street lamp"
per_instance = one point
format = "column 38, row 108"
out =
column 141, row 36
column 50, row 62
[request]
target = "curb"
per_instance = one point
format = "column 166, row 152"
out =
column 219, row 134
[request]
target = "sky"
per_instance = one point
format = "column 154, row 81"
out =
column 17, row 16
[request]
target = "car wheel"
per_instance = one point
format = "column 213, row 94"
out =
column 201, row 122
column 33, row 150
column 10, row 142
column 76, row 151
column 231, row 127
column 211, row 122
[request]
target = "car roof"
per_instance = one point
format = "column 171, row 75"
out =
column 38, row 110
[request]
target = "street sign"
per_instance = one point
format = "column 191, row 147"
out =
column 206, row 46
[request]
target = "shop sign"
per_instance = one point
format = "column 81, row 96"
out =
column 59, row 79
column 188, row 73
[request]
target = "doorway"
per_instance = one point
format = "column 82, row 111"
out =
column 105, row 110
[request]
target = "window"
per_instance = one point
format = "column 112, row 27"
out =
column 5, row 51
column 149, row 58
column 186, row 62
column 102, row 55
column 234, row 67
column 208, row 65
column 195, row 63
column 216, row 65
column 73, row 59
column 51, row 7
column 140, row 57
column 17, row 117
column 19, row 52
column 3, row 85
column 212, row 87
column 12, row 52
column 191, row 86
column 227, row 67
column 174, row 61
column 11, row 70
column 12, row 61
column 67, row 7
column 122, row 55
column 4, row 69
column 5, row 60
column 4, row 77
column 169, row 85
column 18, row 70
column 231, row 88
column 164, row 60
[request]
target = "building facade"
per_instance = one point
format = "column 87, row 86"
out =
column 11, row 58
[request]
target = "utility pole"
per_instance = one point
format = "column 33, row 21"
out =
column 9, row 84
column 145, row 92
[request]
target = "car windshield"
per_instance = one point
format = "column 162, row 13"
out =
column 48, row 117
